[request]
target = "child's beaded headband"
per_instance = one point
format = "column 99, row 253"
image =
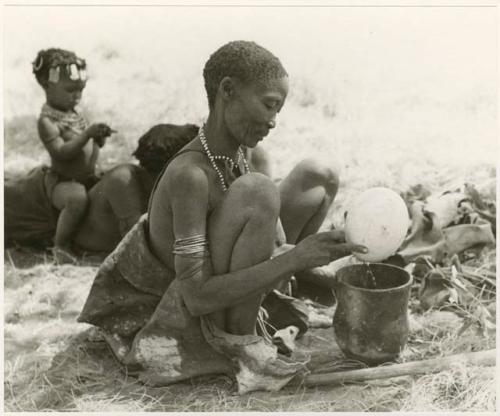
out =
column 76, row 71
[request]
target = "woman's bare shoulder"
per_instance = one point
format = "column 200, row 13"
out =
column 186, row 170
column 183, row 187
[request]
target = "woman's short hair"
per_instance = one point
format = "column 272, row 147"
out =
column 161, row 142
column 244, row 60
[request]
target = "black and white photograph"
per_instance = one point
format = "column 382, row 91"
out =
column 261, row 206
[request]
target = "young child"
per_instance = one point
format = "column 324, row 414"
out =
column 72, row 144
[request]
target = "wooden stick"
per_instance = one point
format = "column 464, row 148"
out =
column 416, row 367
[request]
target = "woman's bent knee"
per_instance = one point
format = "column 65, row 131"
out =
column 256, row 190
column 315, row 173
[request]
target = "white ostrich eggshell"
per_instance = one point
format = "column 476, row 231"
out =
column 377, row 219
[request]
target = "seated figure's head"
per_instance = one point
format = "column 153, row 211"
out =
column 246, row 86
column 161, row 142
column 62, row 75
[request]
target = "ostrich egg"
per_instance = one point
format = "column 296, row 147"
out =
column 377, row 219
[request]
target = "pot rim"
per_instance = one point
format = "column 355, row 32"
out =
column 403, row 286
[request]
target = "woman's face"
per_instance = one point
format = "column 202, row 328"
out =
column 251, row 110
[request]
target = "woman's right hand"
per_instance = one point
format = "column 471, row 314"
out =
column 322, row 248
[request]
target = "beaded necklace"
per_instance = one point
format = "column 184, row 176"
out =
column 213, row 158
column 71, row 120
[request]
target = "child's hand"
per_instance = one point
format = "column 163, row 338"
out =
column 99, row 132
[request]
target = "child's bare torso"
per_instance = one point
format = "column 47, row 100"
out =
column 70, row 125
column 82, row 166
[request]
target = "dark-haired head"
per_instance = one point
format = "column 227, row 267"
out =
column 161, row 142
column 242, row 60
column 54, row 63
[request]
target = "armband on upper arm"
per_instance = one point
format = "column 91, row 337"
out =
column 195, row 256
column 194, row 247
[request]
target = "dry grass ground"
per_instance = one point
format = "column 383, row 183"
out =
column 378, row 120
column 53, row 363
